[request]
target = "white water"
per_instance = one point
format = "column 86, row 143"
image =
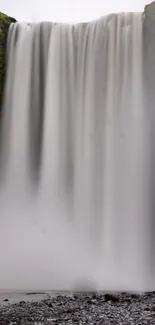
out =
column 74, row 199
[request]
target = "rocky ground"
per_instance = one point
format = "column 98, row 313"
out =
column 81, row 309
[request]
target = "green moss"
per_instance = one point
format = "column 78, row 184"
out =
column 5, row 22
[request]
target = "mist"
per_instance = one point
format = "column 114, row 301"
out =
column 75, row 158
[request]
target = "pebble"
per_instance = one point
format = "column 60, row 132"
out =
column 103, row 309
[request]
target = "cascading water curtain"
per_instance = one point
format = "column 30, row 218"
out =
column 74, row 199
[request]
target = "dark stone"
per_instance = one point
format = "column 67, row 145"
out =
column 134, row 296
column 49, row 304
column 35, row 293
column 110, row 297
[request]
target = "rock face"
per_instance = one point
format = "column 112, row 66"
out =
column 5, row 22
column 150, row 10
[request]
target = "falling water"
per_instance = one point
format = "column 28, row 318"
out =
column 73, row 195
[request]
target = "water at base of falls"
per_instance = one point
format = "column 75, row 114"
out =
column 74, row 194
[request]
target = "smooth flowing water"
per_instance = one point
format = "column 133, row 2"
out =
column 74, row 157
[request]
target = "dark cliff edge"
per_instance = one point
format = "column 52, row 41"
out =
column 149, row 10
column 5, row 22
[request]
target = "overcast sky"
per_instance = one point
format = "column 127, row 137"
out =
column 67, row 10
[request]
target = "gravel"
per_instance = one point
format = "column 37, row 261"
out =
column 126, row 309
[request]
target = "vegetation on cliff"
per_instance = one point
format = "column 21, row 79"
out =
column 5, row 22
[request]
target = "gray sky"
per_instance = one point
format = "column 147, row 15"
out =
column 67, row 10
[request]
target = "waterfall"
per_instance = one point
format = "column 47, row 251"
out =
column 74, row 162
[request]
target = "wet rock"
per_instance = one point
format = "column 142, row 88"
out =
column 134, row 296
column 49, row 304
column 112, row 298
column 153, row 308
column 63, row 310
column 35, row 293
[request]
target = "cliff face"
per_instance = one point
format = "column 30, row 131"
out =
column 5, row 22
